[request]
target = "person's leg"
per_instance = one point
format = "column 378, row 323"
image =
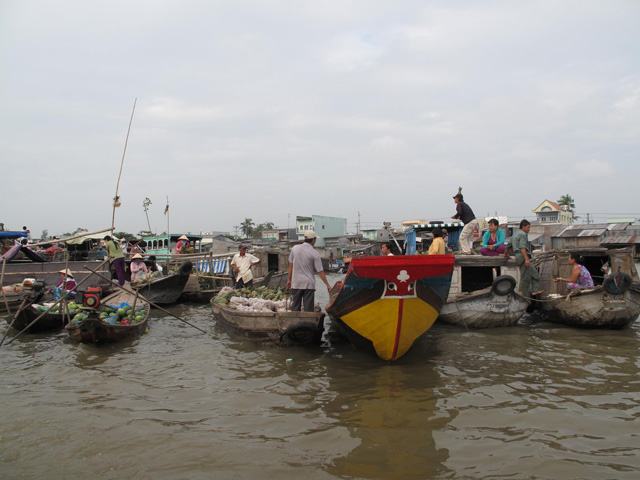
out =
column 525, row 279
column 118, row 264
column 488, row 253
column 308, row 299
column 467, row 230
column 535, row 281
column 296, row 299
column 501, row 249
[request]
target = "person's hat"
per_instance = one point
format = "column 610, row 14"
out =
column 137, row 255
column 242, row 246
column 67, row 272
column 310, row 234
column 183, row 237
column 458, row 196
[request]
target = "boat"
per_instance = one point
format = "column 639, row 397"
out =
column 483, row 293
column 47, row 321
column 613, row 301
column 279, row 328
column 165, row 290
column 97, row 328
column 386, row 303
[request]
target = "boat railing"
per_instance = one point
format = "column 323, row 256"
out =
column 203, row 263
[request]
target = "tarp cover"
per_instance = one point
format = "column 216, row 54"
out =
column 16, row 249
column 13, row 234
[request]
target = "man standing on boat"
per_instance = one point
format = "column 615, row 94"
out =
column 304, row 262
column 116, row 258
column 529, row 276
column 464, row 213
column 242, row 264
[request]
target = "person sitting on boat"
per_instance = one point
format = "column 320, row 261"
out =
column 182, row 245
column 138, row 268
column 580, row 276
column 437, row 245
column 67, row 282
column 155, row 268
column 304, row 262
column 493, row 240
column 386, row 249
column 242, row 263
column 529, row 276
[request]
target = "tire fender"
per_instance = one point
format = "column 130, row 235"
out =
column 185, row 268
column 503, row 285
column 617, row 283
column 301, row 333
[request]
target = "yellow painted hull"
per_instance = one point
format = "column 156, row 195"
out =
column 392, row 324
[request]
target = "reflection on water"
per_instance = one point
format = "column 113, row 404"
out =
column 533, row 401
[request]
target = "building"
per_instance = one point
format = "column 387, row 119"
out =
column 551, row 212
column 325, row 227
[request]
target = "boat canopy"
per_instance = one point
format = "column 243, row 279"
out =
column 16, row 249
column 4, row 234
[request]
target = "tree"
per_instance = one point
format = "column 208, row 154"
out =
column 568, row 202
column 45, row 234
column 246, row 227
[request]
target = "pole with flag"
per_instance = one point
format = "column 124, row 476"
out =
column 166, row 212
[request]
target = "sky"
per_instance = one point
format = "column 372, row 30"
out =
column 368, row 110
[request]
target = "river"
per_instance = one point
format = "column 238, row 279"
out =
column 533, row 401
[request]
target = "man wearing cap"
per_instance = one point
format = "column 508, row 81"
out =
column 464, row 213
column 116, row 258
column 242, row 263
column 304, row 262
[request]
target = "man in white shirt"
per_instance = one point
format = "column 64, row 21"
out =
column 304, row 262
column 242, row 263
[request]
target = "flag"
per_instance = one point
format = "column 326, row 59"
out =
column 166, row 209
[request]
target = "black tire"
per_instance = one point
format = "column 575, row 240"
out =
column 302, row 333
column 185, row 268
column 617, row 283
column 503, row 285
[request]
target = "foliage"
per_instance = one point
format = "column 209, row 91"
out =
column 246, row 227
column 568, row 202
column 44, row 235
column 128, row 236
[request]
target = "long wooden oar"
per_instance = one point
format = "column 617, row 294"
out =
column 15, row 316
column 150, row 303
column 54, row 304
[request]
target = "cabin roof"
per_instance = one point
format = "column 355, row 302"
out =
column 622, row 238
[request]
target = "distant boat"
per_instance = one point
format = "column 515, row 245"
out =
column 165, row 290
column 386, row 303
column 614, row 300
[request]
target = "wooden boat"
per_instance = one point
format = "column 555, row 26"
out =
column 97, row 330
column 482, row 293
column 279, row 328
column 386, row 303
column 613, row 301
column 49, row 322
column 165, row 290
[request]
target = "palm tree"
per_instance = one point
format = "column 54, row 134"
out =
column 568, row 202
column 246, row 227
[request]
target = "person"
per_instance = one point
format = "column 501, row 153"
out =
column 182, row 245
column 580, row 276
column 155, row 266
column 493, row 240
column 386, row 249
column 67, row 282
column 116, row 258
column 26, row 240
column 529, row 276
column 242, row 263
column 465, row 214
column 138, row 268
column 437, row 245
column 101, row 252
column 304, row 262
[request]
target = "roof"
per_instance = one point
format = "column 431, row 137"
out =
column 622, row 238
column 553, row 205
column 16, row 249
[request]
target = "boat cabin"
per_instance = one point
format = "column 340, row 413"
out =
column 166, row 244
column 418, row 237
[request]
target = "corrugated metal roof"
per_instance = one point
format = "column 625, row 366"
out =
column 593, row 232
column 621, row 238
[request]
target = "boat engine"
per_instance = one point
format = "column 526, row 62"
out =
column 90, row 298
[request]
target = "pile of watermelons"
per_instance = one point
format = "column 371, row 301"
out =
column 123, row 315
column 72, row 307
column 264, row 293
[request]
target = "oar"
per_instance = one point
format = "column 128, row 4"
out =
column 150, row 303
column 55, row 303
column 15, row 316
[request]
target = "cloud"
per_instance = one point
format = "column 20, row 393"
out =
column 595, row 169
column 350, row 53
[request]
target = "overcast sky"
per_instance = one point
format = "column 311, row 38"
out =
column 370, row 110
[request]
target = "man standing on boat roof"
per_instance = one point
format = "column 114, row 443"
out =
column 529, row 276
column 242, row 263
column 116, row 258
column 304, row 262
column 465, row 214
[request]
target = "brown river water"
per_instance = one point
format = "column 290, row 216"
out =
column 533, row 401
